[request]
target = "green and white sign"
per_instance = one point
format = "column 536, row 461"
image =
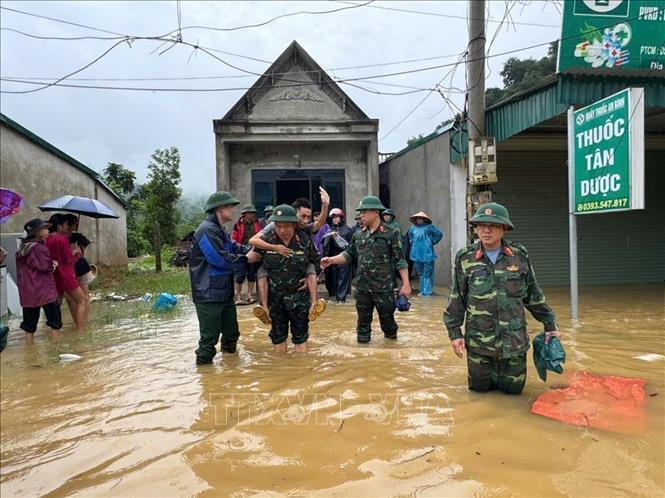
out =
column 614, row 36
column 608, row 153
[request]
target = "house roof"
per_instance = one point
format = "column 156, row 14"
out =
column 10, row 123
column 294, row 54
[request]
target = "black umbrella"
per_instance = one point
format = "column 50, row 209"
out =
column 80, row 205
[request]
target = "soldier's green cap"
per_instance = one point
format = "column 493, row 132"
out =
column 220, row 199
column 269, row 208
column 370, row 202
column 389, row 212
column 284, row 213
column 492, row 213
column 248, row 208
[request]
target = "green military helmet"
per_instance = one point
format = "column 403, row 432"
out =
column 389, row 212
column 220, row 199
column 492, row 212
column 248, row 208
column 269, row 208
column 284, row 213
column 370, row 202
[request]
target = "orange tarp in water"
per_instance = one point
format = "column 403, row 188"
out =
column 604, row 402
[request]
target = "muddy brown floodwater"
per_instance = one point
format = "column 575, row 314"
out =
column 136, row 417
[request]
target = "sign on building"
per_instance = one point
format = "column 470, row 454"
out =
column 608, row 153
column 612, row 36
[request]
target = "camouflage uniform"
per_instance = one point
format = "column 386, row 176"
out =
column 287, row 304
column 492, row 297
column 378, row 255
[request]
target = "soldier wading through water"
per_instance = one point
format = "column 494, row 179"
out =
column 288, row 299
column 493, row 282
column 378, row 250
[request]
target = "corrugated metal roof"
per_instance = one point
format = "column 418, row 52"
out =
column 10, row 123
column 549, row 99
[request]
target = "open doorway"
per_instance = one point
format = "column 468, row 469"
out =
column 287, row 191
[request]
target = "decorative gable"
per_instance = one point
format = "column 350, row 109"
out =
column 295, row 88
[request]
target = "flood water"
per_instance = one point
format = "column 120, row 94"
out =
column 136, row 417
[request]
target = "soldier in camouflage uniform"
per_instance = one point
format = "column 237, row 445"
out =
column 493, row 282
column 288, row 303
column 378, row 251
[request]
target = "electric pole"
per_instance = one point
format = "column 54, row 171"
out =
column 475, row 89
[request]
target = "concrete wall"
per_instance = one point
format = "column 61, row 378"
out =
column 420, row 179
column 350, row 156
column 39, row 176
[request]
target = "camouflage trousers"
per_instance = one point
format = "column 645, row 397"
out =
column 487, row 373
column 384, row 302
column 288, row 308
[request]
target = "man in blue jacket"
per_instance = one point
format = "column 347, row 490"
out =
column 213, row 258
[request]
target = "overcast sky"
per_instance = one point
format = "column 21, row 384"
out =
column 99, row 126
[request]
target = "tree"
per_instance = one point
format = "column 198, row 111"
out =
column 162, row 194
column 414, row 140
column 123, row 182
column 120, row 179
column 191, row 214
column 522, row 74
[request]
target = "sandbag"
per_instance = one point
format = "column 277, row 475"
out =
column 607, row 402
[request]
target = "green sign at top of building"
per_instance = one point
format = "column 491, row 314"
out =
column 612, row 36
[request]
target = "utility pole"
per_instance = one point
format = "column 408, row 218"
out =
column 475, row 89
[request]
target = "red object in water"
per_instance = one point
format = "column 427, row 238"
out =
column 609, row 403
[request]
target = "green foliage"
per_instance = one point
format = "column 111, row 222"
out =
column 414, row 140
column 519, row 75
column 522, row 74
column 162, row 193
column 123, row 182
column 137, row 244
column 120, row 179
column 139, row 278
column 443, row 124
column 191, row 214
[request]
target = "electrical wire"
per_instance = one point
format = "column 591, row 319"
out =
column 175, row 41
column 450, row 16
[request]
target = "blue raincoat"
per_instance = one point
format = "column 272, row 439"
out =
column 422, row 239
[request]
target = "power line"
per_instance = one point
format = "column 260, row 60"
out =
column 182, row 42
column 180, row 28
column 421, row 102
column 61, row 21
column 174, row 41
column 450, row 16
column 189, row 78
column 193, row 90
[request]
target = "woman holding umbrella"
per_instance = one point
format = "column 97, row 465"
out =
column 62, row 226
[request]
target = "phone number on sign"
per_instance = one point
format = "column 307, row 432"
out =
column 609, row 204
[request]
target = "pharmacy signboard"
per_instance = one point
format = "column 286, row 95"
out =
column 612, row 36
column 608, row 153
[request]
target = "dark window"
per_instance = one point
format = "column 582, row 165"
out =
column 279, row 186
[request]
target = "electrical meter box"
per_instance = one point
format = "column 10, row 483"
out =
column 477, row 199
column 482, row 161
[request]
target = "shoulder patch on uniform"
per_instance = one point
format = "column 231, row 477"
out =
column 515, row 246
